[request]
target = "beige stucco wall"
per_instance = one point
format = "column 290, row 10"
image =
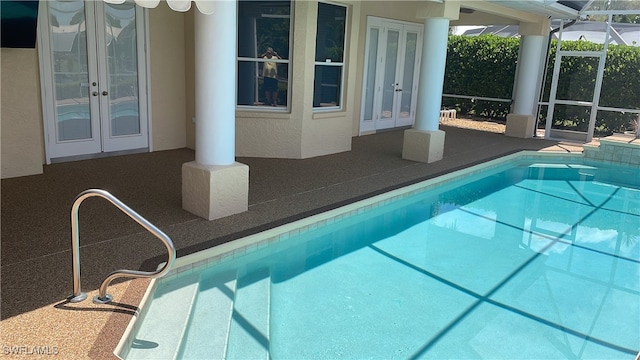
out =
column 396, row 10
column 190, row 66
column 167, row 80
column 22, row 148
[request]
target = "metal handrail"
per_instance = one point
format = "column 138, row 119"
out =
column 103, row 297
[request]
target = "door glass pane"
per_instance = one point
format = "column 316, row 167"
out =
column 70, row 71
column 122, row 68
column 577, row 79
column 372, row 62
column 388, row 84
column 407, row 77
column 570, row 122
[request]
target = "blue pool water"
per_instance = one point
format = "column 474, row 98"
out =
column 516, row 262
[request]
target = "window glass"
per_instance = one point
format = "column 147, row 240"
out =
column 329, row 64
column 264, row 29
column 327, row 84
column 330, row 35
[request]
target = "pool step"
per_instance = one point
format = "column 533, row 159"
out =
column 165, row 322
column 249, row 331
column 211, row 316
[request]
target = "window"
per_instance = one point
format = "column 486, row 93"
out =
column 264, row 29
column 329, row 62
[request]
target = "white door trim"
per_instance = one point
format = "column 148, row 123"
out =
column 403, row 27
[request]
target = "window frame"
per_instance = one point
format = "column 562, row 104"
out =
column 257, row 60
column 342, row 65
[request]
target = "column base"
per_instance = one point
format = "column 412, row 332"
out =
column 213, row 191
column 520, row 126
column 423, row 146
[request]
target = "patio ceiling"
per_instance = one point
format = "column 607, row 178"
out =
column 556, row 9
column 496, row 12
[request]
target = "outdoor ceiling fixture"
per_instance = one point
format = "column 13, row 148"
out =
column 205, row 6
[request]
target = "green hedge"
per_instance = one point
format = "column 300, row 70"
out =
column 480, row 66
column 485, row 66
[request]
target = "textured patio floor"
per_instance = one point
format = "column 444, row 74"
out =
column 36, row 234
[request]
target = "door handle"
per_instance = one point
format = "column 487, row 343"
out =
column 105, row 93
column 95, row 93
column 398, row 89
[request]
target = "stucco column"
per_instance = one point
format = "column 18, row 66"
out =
column 214, row 185
column 521, row 120
column 425, row 142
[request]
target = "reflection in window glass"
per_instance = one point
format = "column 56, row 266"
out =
column 371, row 73
column 263, row 53
column 388, row 92
column 122, row 64
column 327, row 82
column 330, row 41
column 407, row 77
column 70, row 70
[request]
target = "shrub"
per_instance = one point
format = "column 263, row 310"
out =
column 485, row 66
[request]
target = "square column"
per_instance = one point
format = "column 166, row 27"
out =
column 423, row 145
column 215, row 185
column 425, row 142
column 520, row 126
column 215, row 191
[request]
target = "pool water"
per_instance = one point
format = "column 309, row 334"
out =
column 527, row 261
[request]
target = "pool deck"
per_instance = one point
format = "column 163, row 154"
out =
column 36, row 235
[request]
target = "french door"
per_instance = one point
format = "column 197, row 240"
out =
column 93, row 77
column 391, row 73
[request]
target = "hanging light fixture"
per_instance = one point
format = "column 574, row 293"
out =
column 204, row 6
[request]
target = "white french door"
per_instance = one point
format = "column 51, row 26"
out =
column 93, row 77
column 391, row 74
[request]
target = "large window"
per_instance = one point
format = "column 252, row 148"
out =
column 264, row 29
column 329, row 62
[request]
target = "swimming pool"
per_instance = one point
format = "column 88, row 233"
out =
column 529, row 256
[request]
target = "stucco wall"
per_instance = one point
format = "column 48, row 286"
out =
column 263, row 134
column 167, row 80
column 396, row 10
column 190, row 65
column 22, row 137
